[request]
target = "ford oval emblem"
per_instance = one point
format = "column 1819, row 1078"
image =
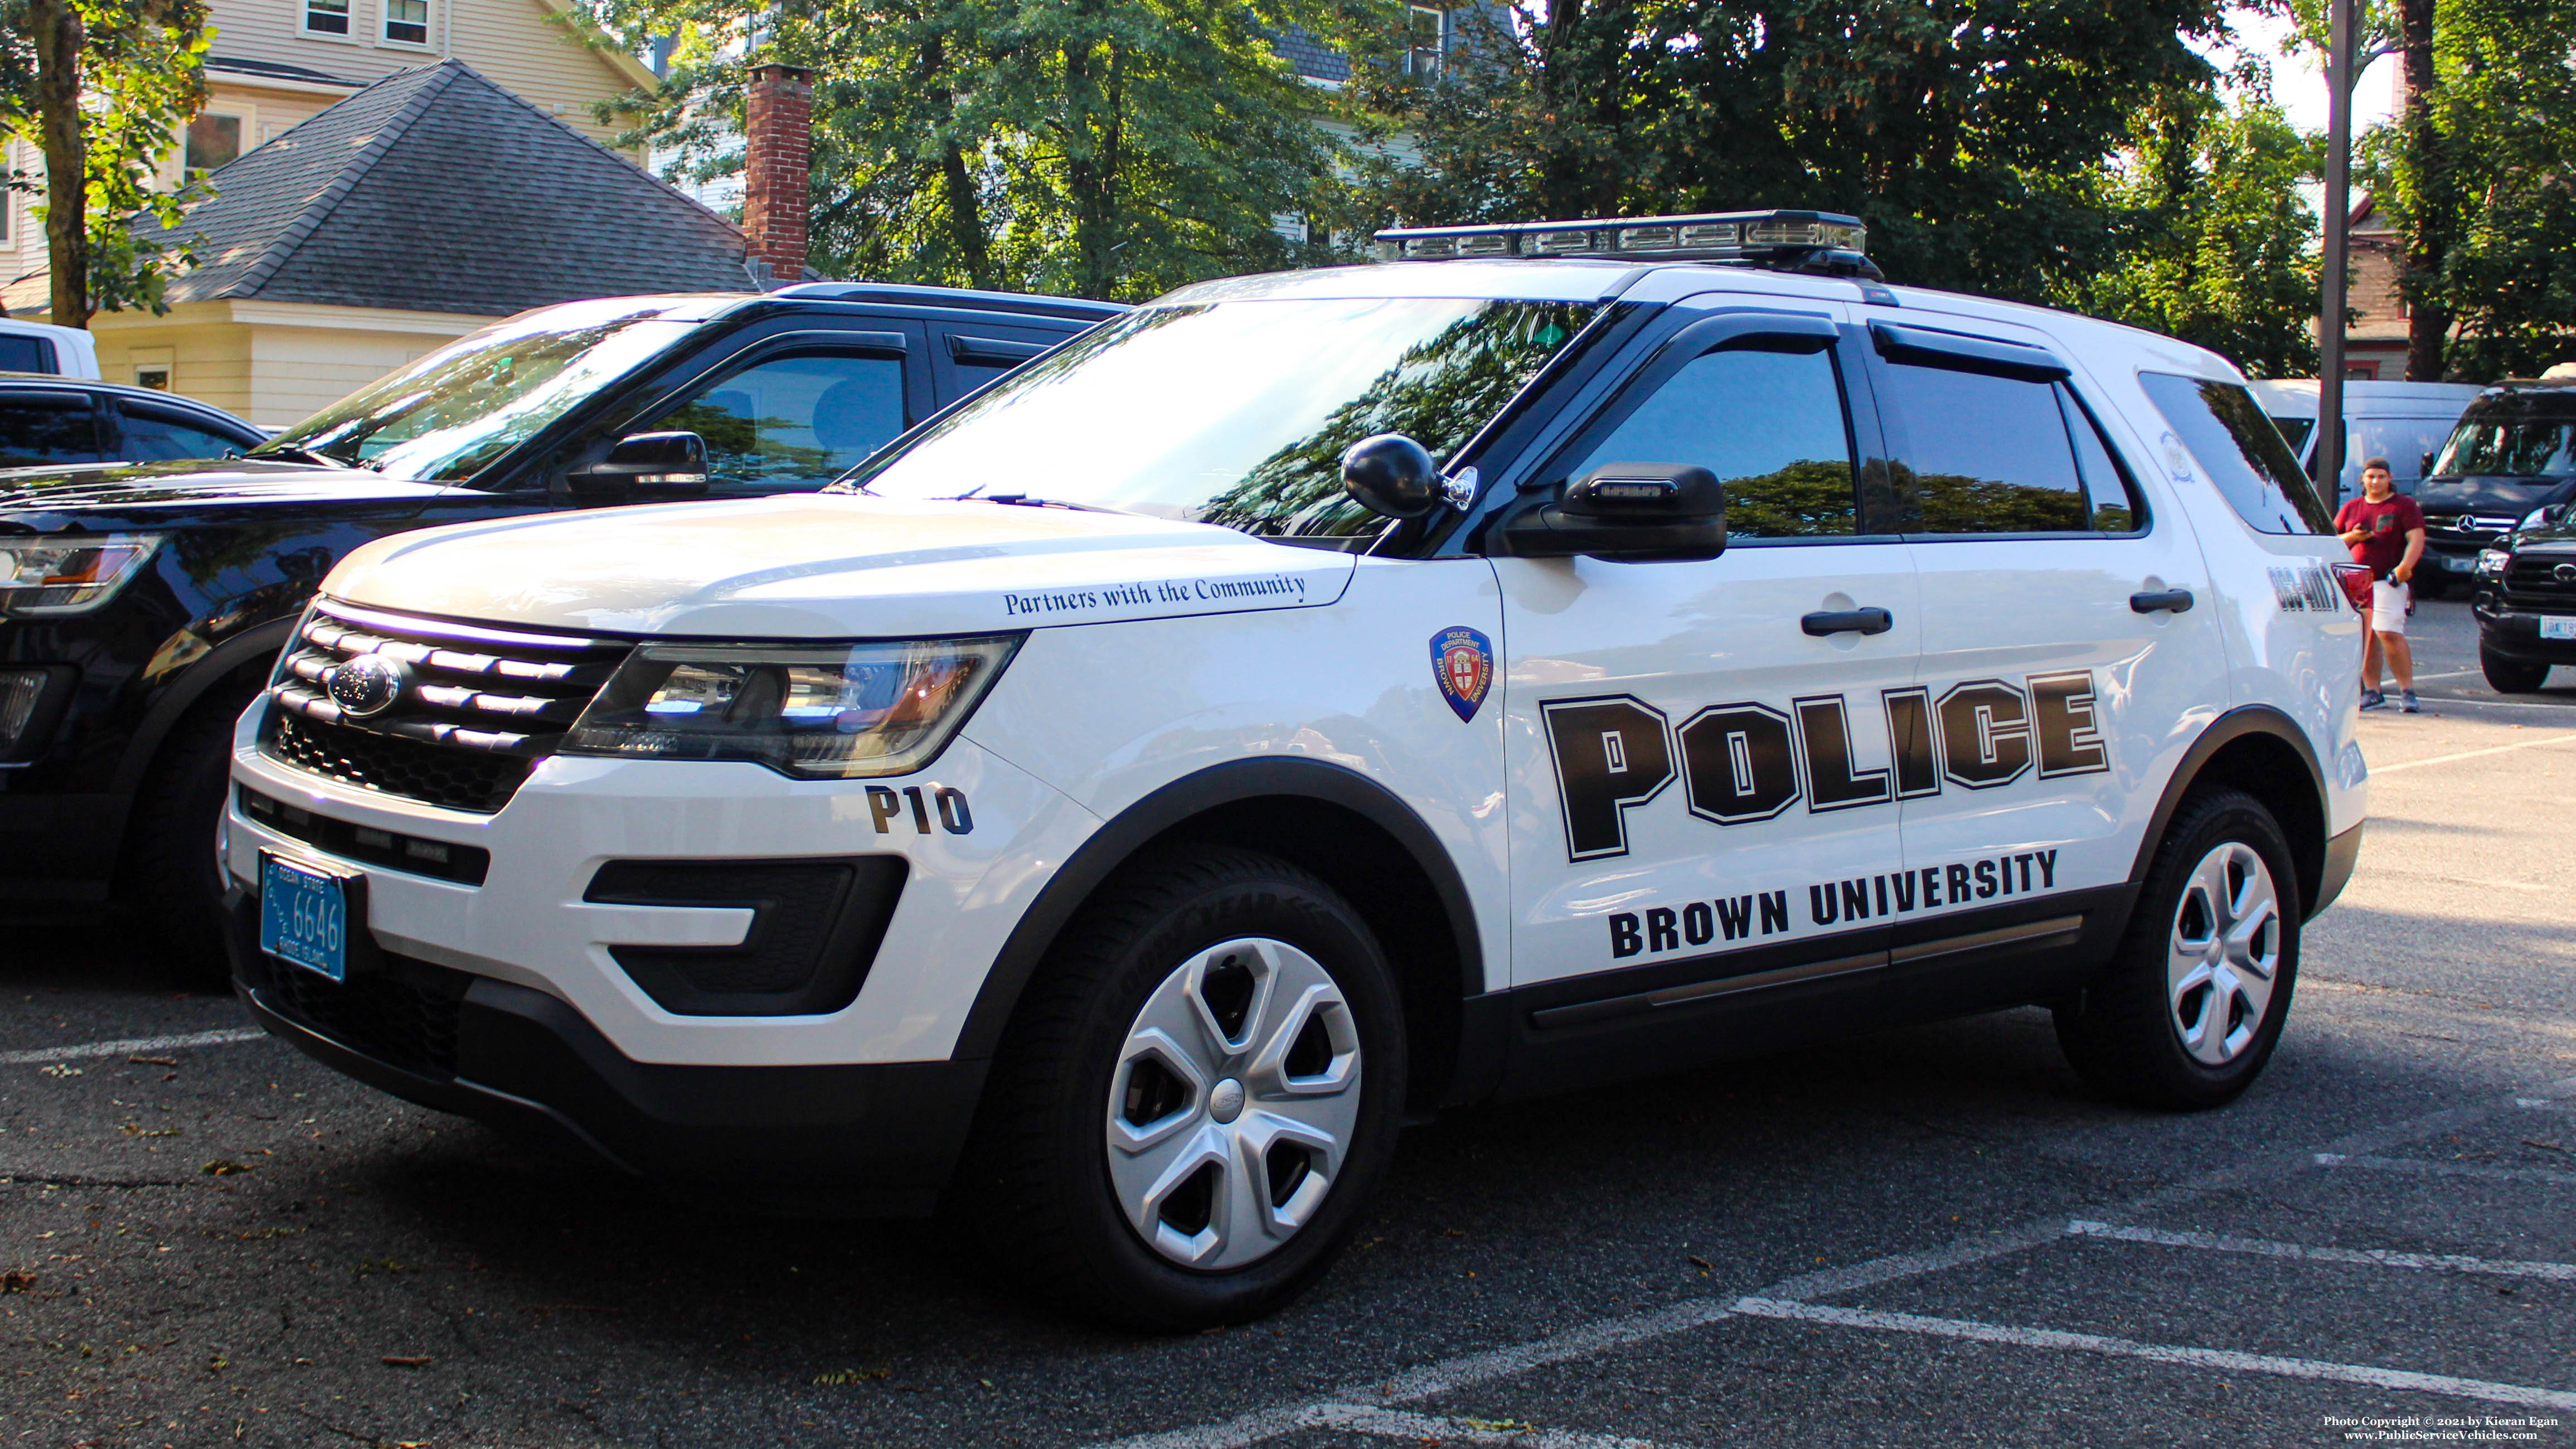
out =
column 367, row 685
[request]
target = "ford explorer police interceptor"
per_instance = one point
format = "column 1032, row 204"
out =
column 1553, row 652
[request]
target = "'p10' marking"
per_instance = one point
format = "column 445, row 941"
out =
column 884, row 805
column 1746, row 762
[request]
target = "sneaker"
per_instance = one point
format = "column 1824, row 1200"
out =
column 2373, row 699
column 2406, row 702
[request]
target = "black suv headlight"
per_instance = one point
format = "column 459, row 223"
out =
column 2491, row 563
column 69, row 574
column 817, row 711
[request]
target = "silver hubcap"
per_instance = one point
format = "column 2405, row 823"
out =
column 1232, row 1108
column 2225, row 952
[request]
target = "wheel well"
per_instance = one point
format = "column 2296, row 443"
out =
column 1383, row 881
column 2272, row 770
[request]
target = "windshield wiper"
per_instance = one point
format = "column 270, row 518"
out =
column 293, row 454
column 1031, row 500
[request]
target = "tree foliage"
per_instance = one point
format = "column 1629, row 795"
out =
column 2215, row 243
column 100, row 89
column 1100, row 147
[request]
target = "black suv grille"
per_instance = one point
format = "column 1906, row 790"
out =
column 477, row 708
column 405, row 1017
column 2532, row 582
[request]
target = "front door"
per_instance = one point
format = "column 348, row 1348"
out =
column 2069, row 654
column 1701, row 782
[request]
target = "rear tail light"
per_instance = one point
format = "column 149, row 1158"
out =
column 2355, row 579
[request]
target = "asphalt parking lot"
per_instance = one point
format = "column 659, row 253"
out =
column 1932, row 1237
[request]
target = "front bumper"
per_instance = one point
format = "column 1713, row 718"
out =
column 2512, row 632
column 869, row 1139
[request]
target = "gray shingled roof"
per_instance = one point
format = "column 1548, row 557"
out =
column 434, row 190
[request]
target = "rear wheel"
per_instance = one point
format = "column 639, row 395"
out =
column 169, row 873
column 2511, row 676
column 2187, row 1011
column 1197, row 1097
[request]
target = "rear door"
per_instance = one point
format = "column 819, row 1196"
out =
column 48, row 427
column 967, row 353
column 2069, row 651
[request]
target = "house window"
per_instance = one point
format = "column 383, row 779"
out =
column 326, row 17
column 1426, row 40
column 155, row 376
column 214, row 142
column 407, row 21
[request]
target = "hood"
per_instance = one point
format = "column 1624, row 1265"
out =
column 2487, row 493
column 168, row 488
column 832, row 566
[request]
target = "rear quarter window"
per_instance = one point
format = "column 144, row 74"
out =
column 2239, row 451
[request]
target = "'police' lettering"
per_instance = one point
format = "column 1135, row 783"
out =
column 1824, row 726
column 1739, row 763
column 2069, row 741
column 1594, row 788
column 1985, row 734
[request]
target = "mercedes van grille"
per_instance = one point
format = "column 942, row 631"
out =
column 469, row 711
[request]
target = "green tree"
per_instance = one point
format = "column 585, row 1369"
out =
column 100, row 89
column 1967, row 133
column 1110, row 148
column 2215, row 244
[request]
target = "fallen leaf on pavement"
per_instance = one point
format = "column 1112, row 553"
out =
column 17, row 1280
column 223, row 1167
column 839, row 1377
column 398, row 1360
column 154, row 1061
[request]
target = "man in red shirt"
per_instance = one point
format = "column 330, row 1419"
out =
column 2386, row 531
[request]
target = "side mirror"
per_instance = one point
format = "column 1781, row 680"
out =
column 2426, row 470
column 1392, row 476
column 674, row 461
column 1628, row 513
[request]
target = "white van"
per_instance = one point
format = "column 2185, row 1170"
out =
column 2404, row 422
column 43, row 347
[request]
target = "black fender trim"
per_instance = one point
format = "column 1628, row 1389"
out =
column 1237, row 780
column 2342, row 852
column 182, row 694
column 2236, row 724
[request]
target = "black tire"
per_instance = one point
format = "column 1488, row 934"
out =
column 2511, row 676
column 169, row 875
column 2125, row 1035
column 1034, row 1188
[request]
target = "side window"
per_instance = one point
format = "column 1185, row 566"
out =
column 2217, row 426
column 791, row 423
column 153, row 436
column 1987, row 454
column 2109, row 491
column 1770, row 425
column 22, row 353
column 37, row 432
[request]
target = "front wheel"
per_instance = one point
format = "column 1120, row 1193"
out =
column 170, row 873
column 1196, row 1098
column 2511, row 676
column 2187, row 1011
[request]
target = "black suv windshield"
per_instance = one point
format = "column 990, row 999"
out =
column 2517, row 447
column 454, row 412
column 1234, row 413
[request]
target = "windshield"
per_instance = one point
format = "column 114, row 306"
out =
column 2524, row 446
column 1235, row 413
column 453, row 413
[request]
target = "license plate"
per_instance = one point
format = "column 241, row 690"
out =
column 2558, row 628
column 304, row 916
column 2455, row 565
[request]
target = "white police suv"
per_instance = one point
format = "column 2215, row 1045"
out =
column 1551, row 653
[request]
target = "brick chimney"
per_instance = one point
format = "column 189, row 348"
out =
column 777, row 154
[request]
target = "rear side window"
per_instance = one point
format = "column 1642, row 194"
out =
column 38, row 432
column 22, row 353
column 1990, row 454
column 154, row 435
column 1770, row 425
column 2239, row 451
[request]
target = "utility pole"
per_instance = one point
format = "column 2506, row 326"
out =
column 2338, row 218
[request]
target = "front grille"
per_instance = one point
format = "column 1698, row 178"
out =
column 403, row 1015
column 2531, row 582
column 475, row 709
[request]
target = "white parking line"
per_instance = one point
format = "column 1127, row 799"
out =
column 2363, row 1257
column 2219, row 1358
column 2469, row 754
column 2448, row 1169
column 131, row 1046
column 1432, row 1429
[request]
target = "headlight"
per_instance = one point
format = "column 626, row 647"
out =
column 2491, row 563
column 66, row 575
column 2540, row 517
column 827, row 711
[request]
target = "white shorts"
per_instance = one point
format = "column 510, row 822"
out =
column 2388, row 602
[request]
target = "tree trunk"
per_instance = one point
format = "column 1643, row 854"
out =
column 965, row 208
column 55, row 27
column 2428, row 322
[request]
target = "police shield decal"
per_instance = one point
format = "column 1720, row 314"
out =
column 1463, row 661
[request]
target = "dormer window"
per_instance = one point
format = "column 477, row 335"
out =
column 407, row 21
column 326, row 17
column 1426, row 41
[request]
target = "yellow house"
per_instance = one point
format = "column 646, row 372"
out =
column 273, row 66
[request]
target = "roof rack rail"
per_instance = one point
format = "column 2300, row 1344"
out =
column 1790, row 241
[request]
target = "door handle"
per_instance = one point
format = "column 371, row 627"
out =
column 2177, row 600
column 1855, row 621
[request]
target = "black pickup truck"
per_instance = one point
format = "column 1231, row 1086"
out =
column 141, row 605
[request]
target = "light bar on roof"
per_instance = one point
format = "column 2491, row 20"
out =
column 1762, row 237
